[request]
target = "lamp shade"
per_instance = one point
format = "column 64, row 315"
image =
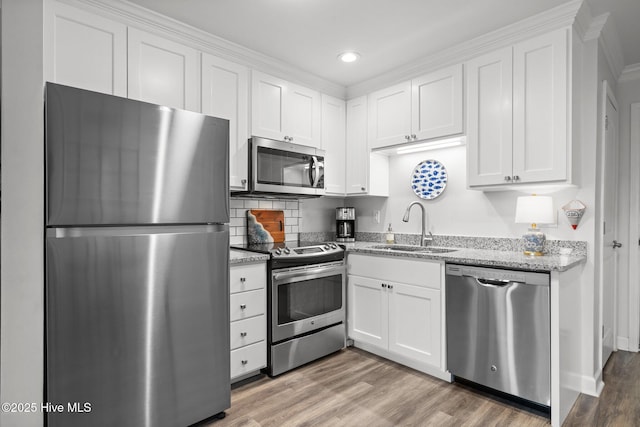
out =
column 535, row 210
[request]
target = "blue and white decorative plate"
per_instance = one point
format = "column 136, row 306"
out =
column 429, row 179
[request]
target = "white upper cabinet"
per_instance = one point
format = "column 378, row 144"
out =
column 333, row 142
column 436, row 104
column 366, row 173
column 357, row 153
column 284, row 111
column 85, row 50
column 390, row 116
column 518, row 114
column 426, row 107
column 162, row 71
column 540, row 108
column 225, row 94
column 489, row 118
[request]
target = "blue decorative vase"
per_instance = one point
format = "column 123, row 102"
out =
column 534, row 242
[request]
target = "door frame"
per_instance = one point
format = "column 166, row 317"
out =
column 634, row 232
column 607, row 94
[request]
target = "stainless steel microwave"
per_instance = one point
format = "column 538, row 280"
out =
column 283, row 169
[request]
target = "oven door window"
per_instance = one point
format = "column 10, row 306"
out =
column 287, row 168
column 309, row 298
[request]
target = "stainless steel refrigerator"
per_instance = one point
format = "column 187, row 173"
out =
column 137, row 254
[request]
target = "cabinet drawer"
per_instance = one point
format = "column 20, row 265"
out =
column 247, row 304
column 247, row 277
column 425, row 273
column 248, row 331
column 247, row 359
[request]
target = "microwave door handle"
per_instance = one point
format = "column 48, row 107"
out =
column 315, row 171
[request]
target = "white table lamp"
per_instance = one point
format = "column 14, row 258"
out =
column 534, row 210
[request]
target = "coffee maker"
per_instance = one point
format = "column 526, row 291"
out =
column 345, row 224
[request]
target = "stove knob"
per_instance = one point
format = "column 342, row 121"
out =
column 278, row 251
column 326, row 247
column 333, row 246
column 287, row 251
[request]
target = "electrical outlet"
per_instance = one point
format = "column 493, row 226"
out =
column 376, row 217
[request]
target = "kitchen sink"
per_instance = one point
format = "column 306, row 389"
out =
column 411, row 248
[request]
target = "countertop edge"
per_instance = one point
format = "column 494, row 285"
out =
column 237, row 256
column 483, row 257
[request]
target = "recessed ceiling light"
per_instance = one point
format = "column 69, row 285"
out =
column 349, row 56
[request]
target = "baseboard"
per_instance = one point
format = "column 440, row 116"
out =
column 622, row 343
column 414, row 364
column 591, row 385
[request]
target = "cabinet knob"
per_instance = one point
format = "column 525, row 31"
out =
column 390, row 286
column 244, row 362
column 243, row 279
column 413, row 136
column 243, row 334
column 243, row 306
column 407, row 137
column 384, row 285
column 516, row 178
column 286, row 138
column 507, row 178
column 243, row 181
column 363, row 189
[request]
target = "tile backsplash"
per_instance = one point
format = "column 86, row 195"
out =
column 238, row 216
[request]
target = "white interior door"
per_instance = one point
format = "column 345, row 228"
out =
column 634, row 233
column 609, row 214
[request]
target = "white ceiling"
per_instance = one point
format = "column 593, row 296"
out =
column 309, row 34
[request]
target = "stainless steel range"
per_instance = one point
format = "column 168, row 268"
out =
column 306, row 303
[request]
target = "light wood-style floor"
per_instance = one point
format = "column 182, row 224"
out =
column 354, row 388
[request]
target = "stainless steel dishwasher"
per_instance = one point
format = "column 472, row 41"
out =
column 498, row 330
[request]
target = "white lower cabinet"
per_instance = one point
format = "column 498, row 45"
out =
column 395, row 310
column 248, row 328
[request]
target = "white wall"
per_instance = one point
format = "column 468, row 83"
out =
column 22, row 275
column 319, row 215
column 628, row 93
column 458, row 210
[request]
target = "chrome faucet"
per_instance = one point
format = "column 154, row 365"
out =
column 424, row 240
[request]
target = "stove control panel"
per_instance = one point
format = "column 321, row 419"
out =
column 308, row 251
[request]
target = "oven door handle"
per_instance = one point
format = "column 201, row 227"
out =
column 310, row 273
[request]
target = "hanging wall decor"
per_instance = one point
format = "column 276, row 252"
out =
column 429, row 179
column 574, row 211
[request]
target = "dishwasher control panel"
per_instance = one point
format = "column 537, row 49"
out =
column 530, row 278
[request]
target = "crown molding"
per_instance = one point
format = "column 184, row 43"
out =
column 630, row 73
column 610, row 45
column 552, row 19
column 153, row 22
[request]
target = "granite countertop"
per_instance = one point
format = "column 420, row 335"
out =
column 243, row 257
column 484, row 257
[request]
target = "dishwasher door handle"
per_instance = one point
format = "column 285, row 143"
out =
column 497, row 283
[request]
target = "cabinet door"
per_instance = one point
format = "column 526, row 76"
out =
column 267, row 104
column 390, row 116
column 540, row 114
column 414, row 322
column 162, row 72
column 489, row 119
column 367, row 311
column 436, row 104
column 333, row 142
column 357, row 152
column 302, row 117
column 225, row 94
column 84, row 50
